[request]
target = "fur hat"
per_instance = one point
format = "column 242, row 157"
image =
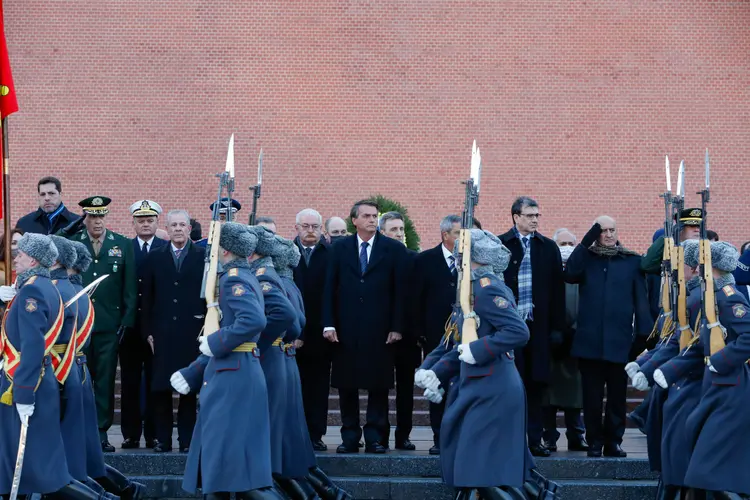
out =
column 290, row 256
column 268, row 246
column 66, row 251
column 39, row 247
column 83, row 257
column 724, row 256
column 237, row 239
column 487, row 249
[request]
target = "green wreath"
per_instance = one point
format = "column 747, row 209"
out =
column 388, row 205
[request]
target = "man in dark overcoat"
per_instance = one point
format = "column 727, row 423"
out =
column 172, row 314
column 313, row 351
column 535, row 276
column 363, row 314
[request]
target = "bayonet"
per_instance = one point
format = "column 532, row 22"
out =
column 681, row 180
column 708, row 171
column 256, row 189
column 229, row 177
column 669, row 177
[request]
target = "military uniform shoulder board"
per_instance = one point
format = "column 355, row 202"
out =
column 728, row 290
column 30, row 280
column 234, row 272
column 261, row 271
column 266, row 286
column 739, row 310
column 483, row 282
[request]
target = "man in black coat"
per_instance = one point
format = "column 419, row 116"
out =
column 171, row 320
column 134, row 352
column 435, row 277
column 407, row 356
column 535, row 276
column 363, row 314
column 52, row 215
column 313, row 351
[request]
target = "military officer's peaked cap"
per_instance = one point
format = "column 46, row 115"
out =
column 691, row 217
column 95, row 205
column 227, row 203
column 145, row 208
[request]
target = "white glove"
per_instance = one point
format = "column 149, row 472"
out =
column 434, row 396
column 7, row 292
column 711, row 367
column 660, row 379
column 419, row 378
column 204, row 347
column 465, row 355
column 632, row 368
column 179, row 383
column 24, row 411
column 640, row 381
column 430, row 380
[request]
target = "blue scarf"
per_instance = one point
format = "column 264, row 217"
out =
column 525, row 297
column 52, row 216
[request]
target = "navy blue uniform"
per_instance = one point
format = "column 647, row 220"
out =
column 717, row 429
column 230, row 449
column 280, row 317
column 35, row 313
column 72, row 423
column 482, row 438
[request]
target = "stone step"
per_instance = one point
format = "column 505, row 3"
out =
column 417, row 488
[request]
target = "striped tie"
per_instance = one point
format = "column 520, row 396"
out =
column 452, row 265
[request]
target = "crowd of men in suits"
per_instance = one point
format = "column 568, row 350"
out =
column 373, row 310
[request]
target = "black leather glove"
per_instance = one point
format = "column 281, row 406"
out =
column 73, row 227
column 121, row 333
column 592, row 235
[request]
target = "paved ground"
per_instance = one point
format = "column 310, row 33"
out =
column 634, row 442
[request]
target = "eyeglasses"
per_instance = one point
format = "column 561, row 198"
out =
column 310, row 227
column 532, row 216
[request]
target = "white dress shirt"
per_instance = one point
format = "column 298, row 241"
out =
column 369, row 246
column 447, row 254
column 150, row 243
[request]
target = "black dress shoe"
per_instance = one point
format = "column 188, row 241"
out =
column 150, row 443
column 344, row 448
column 614, row 450
column 595, row 451
column 406, row 445
column 162, row 448
column 130, row 444
column 107, row 447
column 319, row 445
column 184, row 448
column 539, row 450
column 550, row 445
column 435, row 450
column 375, row 448
column 579, row 444
column 360, row 445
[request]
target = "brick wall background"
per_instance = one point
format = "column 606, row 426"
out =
column 573, row 102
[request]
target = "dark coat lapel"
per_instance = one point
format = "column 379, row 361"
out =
column 378, row 253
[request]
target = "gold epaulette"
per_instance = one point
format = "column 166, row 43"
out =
column 277, row 342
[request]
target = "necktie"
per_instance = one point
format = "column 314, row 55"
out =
column 96, row 244
column 308, row 252
column 452, row 265
column 177, row 253
column 145, row 247
column 363, row 257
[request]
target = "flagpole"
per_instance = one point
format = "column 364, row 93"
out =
column 6, row 201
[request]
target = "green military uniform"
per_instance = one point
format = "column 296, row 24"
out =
column 114, row 307
column 651, row 262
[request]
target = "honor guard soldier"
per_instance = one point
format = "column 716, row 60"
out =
column 690, row 221
column 105, row 476
column 114, row 303
column 225, row 205
column 280, row 317
column 230, row 450
column 30, row 393
column 717, row 429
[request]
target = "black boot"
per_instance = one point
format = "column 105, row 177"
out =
column 76, row 491
column 260, row 494
column 221, row 495
column 115, row 482
column 728, row 495
column 463, row 494
column 694, row 494
column 296, row 489
column 99, row 489
column 495, row 493
column 325, row 487
column 539, row 487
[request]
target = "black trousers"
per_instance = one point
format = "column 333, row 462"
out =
column 574, row 429
column 534, row 414
column 595, row 375
column 376, row 416
column 135, row 360
column 186, row 416
column 405, row 369
column 315, row 378
column 436, row 418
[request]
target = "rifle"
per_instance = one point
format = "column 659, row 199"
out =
column 465, row 298
column 708, row 304
column 211, row 265
column 679, row 284
column 256, row 189
column 668, row 258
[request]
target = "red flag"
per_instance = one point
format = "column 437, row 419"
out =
column 8, row 102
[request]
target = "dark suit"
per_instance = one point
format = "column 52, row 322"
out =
column 173, row 314
column 434, row 295
column 548, row 295
column 364, row 308
column 135, row 361
column 314, row 357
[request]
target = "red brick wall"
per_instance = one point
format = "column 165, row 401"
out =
column 572, row 102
